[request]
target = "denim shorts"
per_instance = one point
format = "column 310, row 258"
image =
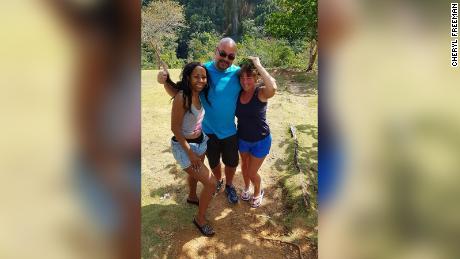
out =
column 181, row 156
column 258, row 149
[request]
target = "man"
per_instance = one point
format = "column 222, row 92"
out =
column 219, row 118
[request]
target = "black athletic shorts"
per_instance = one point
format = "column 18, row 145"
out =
column 227, row 148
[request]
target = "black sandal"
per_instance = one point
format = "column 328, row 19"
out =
column 205, row 229
column 197, row 203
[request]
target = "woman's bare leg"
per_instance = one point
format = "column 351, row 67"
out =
column 253, row 171
column 192, row 183
column 244, row 169
column 208, row 180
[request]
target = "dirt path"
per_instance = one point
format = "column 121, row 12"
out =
column 240, row 229
column 167, row 228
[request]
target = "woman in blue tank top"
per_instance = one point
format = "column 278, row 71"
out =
column 254, row 139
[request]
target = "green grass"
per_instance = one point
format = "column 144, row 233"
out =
column 161, row 175
column 299, row 110
column 160, row 217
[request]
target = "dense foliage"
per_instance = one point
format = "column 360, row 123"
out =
column 295, row 20
column 278, row 31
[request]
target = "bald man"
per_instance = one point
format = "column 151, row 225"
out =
column 219, row 118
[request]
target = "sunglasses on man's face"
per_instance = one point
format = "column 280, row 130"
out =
column 224, row 54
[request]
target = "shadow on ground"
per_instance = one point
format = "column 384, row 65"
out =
column 167, row 228
column 238, row 231
column 159, row 223
column 291, row 181
column 307, row 156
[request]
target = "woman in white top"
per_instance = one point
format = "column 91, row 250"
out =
column 189, row 141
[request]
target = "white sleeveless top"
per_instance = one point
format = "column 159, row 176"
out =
column 191, row 124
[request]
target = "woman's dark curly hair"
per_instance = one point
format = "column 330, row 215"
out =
column 185, row 86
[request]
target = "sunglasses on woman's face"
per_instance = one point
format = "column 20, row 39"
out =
column 224, row 54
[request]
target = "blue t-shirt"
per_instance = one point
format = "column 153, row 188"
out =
column 219, row 118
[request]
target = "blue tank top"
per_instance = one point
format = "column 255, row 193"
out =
column 252, row 121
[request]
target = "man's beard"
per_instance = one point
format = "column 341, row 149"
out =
column 223, row 64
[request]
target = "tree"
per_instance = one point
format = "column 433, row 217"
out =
column 249, row 27
column 161, row 21
column 263, row 10
column 202, row 46
column 296, row 20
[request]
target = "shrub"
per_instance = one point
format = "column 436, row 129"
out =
column 167, row 55
column 274, row 53
column 202, row 46
column 252, row 46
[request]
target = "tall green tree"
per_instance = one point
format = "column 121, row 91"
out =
column 296, row 20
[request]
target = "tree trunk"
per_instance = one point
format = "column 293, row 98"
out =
column 313, row 54
column 235, row 18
